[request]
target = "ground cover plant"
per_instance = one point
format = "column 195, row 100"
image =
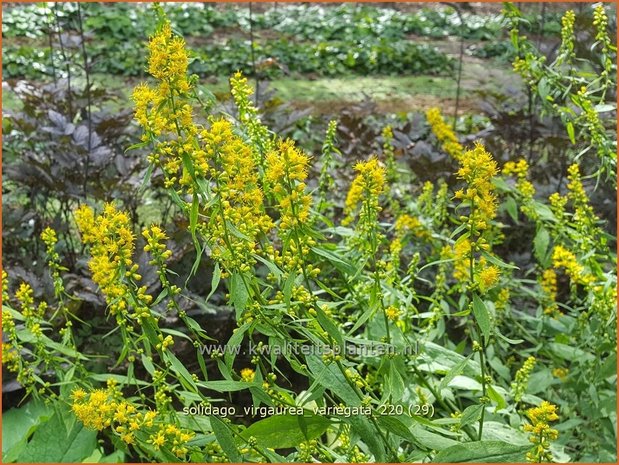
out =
column 216, row 291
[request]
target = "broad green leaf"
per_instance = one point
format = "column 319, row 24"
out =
column 455, row 371
column 483, row 452
column 18, row 424
column 181, row 371
column 329, row 326
column 396, row 383
column 431, row 440
column 471, row 414
column 512, row 208
column 234, row 342
column 541, row 243
column 332, row 378
column 494, row 395
column 368, row 434
column 286, row 431
column 225, row 439
column 336, row 260
column 62, row 438
column 481, row 316
column 239, row 294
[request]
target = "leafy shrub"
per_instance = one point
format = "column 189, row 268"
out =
column 396, row 331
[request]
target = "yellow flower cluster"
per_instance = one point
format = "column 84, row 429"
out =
column 393, row 313
column 248, row 375
column 33, row 315
column 155, row 242
column 560, row 373
column 477, row 168
column 521, row 380
column 239, row 217
column 444, row 134
column 520, row 169
column 541, row 432
column 11, row 358
column 548, row 283
column 106, row 408
column 5, row 287
column 167, row 59
column 262, row 142
column 563, row 258
column 166, row 109
column 488, row 277
column 111, row 246
column 404, row 225
column 172, row 437
column 566, row 51
column 367, row 187
column 287, row 169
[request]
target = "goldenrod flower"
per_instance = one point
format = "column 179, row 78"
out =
column 521, row 380
column 489, row 277
column 560, row 373
column 444, row 133
column 541, row 433
column 367, row 187
column 477, row 168
column 112, row 245
column 563, row 258
column 248, row 375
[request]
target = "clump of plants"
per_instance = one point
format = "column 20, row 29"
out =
column 395, row 332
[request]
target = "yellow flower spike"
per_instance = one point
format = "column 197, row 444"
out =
column 444, row 133
column 368, row 185
column 542, row 433
column 112, row 245
column 563, row 258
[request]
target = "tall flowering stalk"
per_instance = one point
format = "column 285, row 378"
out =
column 477, row 168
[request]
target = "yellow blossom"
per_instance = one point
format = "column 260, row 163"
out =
column 247, row 375
column 444, row 133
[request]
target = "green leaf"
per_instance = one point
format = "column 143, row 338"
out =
column 496, row 261
column 570, row 132
column 455, row 371
column 193, row 216
column 286, row 431
column 225, row 385
column 540, row 243
column 330, row 327
column 431, row 440
column 362, row 426
column 512, row 208
column 570, row 353
column 471, row 414
column 181, row 371
column 481, row 316
column 225, row 439
column 332, row 378
column 395, row 382
column 336, row 260
column 234, row 342
column 483, row 452
column 394, row 425
column 494, row 395
column 61, row 439
column 18, row 425
column 214, row 281
column 239, row 294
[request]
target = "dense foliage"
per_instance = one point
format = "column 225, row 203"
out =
column 214, row 293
